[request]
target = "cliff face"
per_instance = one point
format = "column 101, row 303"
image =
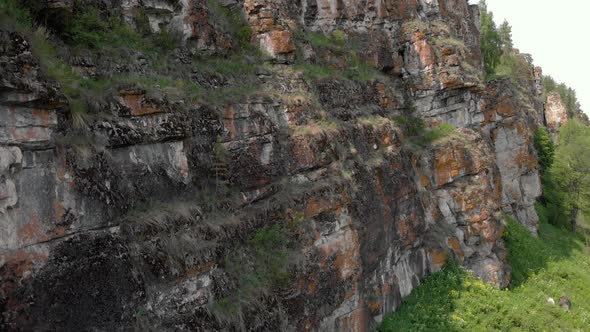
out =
column 149, row 214
column 555, row 114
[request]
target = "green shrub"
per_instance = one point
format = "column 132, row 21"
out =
column 316, row 71
column 165, row 41
column 244, row 37
column 335, row 42
column 514, row 66
column 90, row 28
column 415, row 129
column 231, row 19
column 545, row 148
column 411, row 125
column 338, row 43
column 428, row 136
column 142, row 22
column 13, row 16
column 359, row 70
column 260, row 268
column 552, row 265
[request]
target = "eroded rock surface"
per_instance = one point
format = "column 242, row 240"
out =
column 555, row 114
column 136, row 229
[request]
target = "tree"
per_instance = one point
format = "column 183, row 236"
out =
column 570, row 174
column 545, row 148
column 505, row 33
column 491, row 44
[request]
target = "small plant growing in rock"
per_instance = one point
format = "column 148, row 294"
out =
column 431, row 135
column 335, row 42
column 259, row 269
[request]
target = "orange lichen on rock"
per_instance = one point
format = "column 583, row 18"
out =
column 136, row 103
column 277, row 42
column 438, row 258
column 455, row 246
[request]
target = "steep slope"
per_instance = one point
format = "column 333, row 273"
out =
column 208, row 186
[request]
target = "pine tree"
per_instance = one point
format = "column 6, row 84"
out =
column 505, row 32
column 491, row 44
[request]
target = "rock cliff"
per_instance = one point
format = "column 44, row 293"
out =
column 277, row 198
column 555, row 114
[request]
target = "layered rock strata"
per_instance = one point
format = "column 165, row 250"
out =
column 128, row 221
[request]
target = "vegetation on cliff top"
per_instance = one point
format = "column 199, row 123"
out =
column 103, row 36
column 500, row 57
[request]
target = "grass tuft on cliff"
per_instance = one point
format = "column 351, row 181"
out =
column 555, row 264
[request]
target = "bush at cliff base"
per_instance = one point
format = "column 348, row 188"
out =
column 555, row 264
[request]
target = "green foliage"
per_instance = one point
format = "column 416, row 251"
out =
column 431, row 135
column 339, row 44
column 359, row 70
column 514, row 66
column 244, row 37
column 90, row 28
column 336, row 41
column 529, row 255
column 142, row 22
column 491, row 43
column 259, row 269
column 411, row 125
column 566, row 184
column 553, row 265
column 222, row 96
column 570, row 174
column 163, row 41
column 71, row 83
column 500, row 59
column 86, row 28
column 316, row 71
column 270, row 249
column 545, row 148
column 415, row 129
column 505, row 33
column 13, row 16
column 232, row 21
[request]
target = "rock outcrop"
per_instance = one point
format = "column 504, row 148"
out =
column 146, row 211
column 556, row 114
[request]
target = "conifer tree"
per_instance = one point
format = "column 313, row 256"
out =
column 491, row 44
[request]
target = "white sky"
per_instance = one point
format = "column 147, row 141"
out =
column 556, row 34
